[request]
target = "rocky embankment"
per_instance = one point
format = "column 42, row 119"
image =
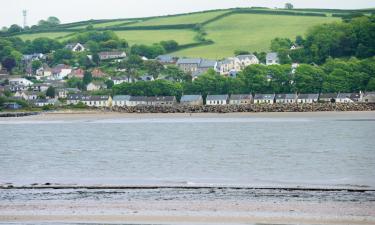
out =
column 17, row 114
column 316, row 107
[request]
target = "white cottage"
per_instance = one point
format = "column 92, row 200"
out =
column 121, row 100
column 217, row 99
column 264, row 98
column 307, row 98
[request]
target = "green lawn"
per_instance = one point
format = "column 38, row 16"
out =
column 53, row 35
column 155, row 36
column 252, row 32
column 183, row 19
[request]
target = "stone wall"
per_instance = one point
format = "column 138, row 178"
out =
column 316, row 107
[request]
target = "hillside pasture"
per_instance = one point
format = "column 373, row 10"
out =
column 251, row 32
column 154, row 36
column 193, row 18
column 53, row 35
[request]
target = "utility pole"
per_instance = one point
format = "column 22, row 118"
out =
column 24, row 13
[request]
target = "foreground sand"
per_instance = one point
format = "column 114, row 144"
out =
column 171, row 211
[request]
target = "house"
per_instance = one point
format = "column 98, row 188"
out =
column 307, row 98
column 145, row 77
column 79, row 73
column 167, row 59
column 240, row 99
column 12, row 105
column 328, row 97
column 138, row 100
column 60, row 71
column 96, row 85
column 45, row 102
column 368, row 97
column 27, row 58
column 64, row 92
column 162, row 101
column 121, row 100
column 286, row 98
column 191, row 100
column 27, row 95
column 15, row 88
column 97, row 73
column 348, row 97
column 120, row 80
column 38, row 87
column 112, row 55
column 236, row 64
column 272, row 58
column 75, row 47
column 217, row 99
column 92, row 101
column 44, row 71
column 20, row 81
column 264, row 98
column 188, row 65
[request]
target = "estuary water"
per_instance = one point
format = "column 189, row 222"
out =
column 336, row 150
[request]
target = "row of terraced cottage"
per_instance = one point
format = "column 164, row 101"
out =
column 195, row 100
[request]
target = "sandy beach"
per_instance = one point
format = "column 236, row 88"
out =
column 193, row 207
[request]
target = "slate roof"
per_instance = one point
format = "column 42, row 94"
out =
column 217, row 97
column 264, row 96
column 308, row 96
column 241, row 97
column 190, row 98
column 121, row 98
column 166, row 58
column 189, row 61
column 328, row 95
column 138, row 99
column 272, row 56
column 243, row 57
column 286, row 96
column 206, row 63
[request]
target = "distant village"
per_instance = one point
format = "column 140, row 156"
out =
column 36, row 93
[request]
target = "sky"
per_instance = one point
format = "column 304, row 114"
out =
column 78, row 10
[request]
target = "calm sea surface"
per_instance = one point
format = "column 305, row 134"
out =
column 251, row 151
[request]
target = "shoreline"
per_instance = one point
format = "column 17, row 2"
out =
column 74, row 115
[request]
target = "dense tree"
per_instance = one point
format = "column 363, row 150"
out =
column 62, row 56
column 169, row 46
column 289, row 6
column 150, row 52
column 51, row 92
column 14, row 29
column 36, row 64
column 153, row 68
column 87, row 78
column 309, row 79
column 255, row 79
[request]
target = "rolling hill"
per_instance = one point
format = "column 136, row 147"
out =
column 228, row 30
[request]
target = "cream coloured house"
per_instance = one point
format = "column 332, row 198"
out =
column 236, row 64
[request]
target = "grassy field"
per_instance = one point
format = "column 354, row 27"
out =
column 252, row 32
column 100, row 25
column 155, row 36
column 56, row 35
column 182, row 19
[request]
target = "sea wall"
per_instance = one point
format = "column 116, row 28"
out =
column 316, row 107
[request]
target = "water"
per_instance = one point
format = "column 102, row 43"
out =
column 247, row 151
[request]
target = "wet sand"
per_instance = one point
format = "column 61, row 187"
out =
column 208, row 206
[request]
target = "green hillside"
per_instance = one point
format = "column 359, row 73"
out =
column 251, row 32
column 227, row 30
